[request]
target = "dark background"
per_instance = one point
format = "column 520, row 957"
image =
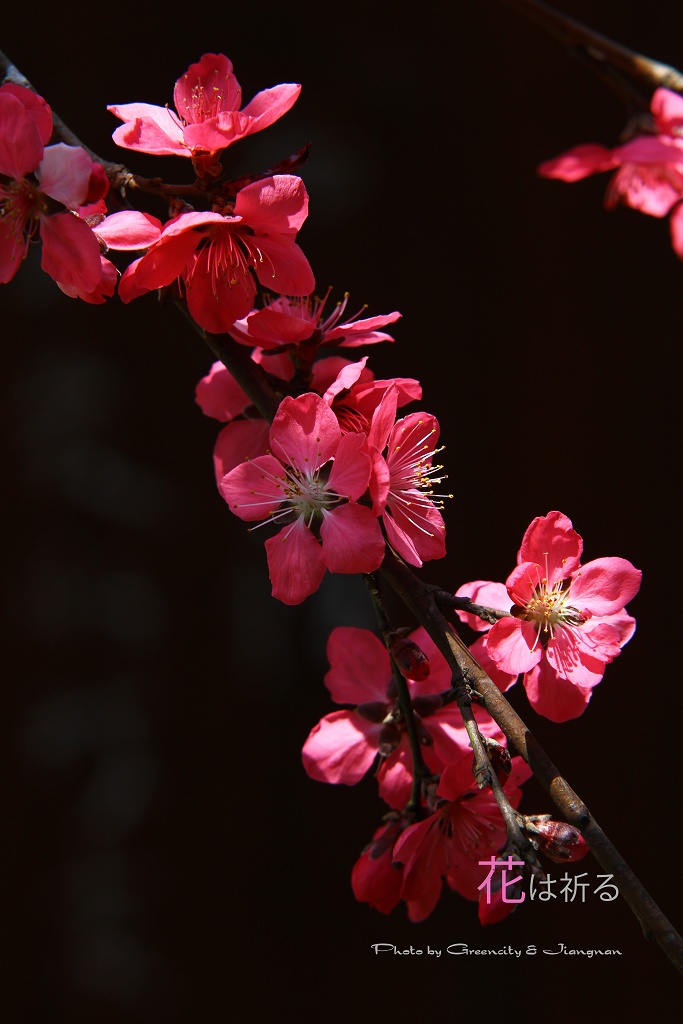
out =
column 165, row 857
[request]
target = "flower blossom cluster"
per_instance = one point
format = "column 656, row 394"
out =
column 343, row 472
column 214, row 253
column 407, row 859
column 215, row 257
column 649, row 167
column 330, row 487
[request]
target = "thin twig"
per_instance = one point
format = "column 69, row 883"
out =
column 420, row 770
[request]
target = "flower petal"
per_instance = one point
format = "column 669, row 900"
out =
column 274, row 205
column 352, row 540
column 71, row 252
column 21, row 146
column 282, row 265
column 295, row 563
column 255, row 489
column 578, row 163
column 64, row 173
column 240, row 440
column 359, row 666
column 129, row 229
column 351, row 468
column 149, row 129
column 341, row 748
column 486, row 593
column 270, row 104
column 511, row 644
column 554, row 697
column 551, row 541
column 305, row 432
column 605, row 585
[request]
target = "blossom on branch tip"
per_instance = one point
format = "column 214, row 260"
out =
column 46, row 185
column 207, row 118
column 567, row 622
column 312, row 481
column 649, row 167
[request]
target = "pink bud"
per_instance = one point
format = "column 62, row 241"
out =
column 560, row 841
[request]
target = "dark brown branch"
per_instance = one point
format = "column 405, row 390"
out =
column 446, row 600
column 419, row 599
column 651, row 72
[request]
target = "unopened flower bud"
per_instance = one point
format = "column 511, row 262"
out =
column 411, row 659
column 500, row 759
column 560, row 841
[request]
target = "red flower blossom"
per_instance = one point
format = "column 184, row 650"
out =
column 403, row 479
column 649, row 168
column 568, row 620
column 208, row 118
column 45, row 185
column 465, row 828
column 326, row 528
column 214, row 254
column 290, row 321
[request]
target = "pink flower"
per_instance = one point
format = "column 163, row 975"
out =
column 568, row 620
column 403, row 479
column 214, row 254
column 466, row 827
column 45, row 185
column 649, row 168
column 208, row 118
column 327, row 528
column 288, row 321
column 342, row 747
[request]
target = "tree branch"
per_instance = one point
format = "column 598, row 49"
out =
column 651, row 72
column 419, row 599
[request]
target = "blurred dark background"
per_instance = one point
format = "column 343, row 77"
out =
column 166, row 860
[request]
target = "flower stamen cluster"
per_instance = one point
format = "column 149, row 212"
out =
column 548, row 606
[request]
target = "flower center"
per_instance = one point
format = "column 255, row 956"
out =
column 20, row 202
column 549, row 606
column 307, row 493
column 228, row 254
